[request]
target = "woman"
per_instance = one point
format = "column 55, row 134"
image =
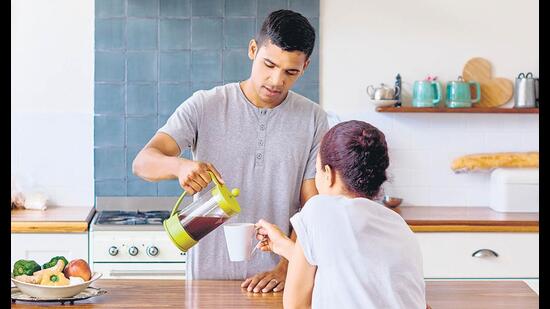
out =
column 351, row 252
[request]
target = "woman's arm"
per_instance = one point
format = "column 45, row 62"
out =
column 299, row 280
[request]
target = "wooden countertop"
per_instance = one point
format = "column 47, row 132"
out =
column 54, row 219
column 229, row 294
column 420, row 219
column 466, row 219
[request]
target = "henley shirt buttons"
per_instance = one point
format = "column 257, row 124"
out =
column 262, row 127
column 261, row 142
column 259, row 156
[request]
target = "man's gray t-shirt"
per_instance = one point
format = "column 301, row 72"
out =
column 266, row 153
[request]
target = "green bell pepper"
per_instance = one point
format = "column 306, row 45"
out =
column 25, row 267
column 54, row 260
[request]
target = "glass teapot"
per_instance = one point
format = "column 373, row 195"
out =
column 188, row 225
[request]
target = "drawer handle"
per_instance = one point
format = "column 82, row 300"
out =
column 115, row 273
column 481, row 253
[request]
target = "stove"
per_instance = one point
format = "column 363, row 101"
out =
column 116, row 217
column 128, row 241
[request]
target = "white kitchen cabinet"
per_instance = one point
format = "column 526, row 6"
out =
column 480, row 255
column 41, row 247
column 41, row 235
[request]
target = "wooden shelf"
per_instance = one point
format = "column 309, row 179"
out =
column 494, row 110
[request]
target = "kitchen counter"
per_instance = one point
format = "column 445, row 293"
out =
column 420, row 219
column 229, row 294
column 466, row 219
column 55, row 219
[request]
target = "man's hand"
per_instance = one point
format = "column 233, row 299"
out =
column 267, row 281
column 193, row 175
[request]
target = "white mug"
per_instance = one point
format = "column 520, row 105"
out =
column 239, row 238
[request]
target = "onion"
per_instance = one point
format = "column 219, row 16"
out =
column 78, row 268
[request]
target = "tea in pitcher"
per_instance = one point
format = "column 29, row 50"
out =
column 198, row 227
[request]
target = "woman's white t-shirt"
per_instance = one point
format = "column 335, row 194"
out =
column 366, row 255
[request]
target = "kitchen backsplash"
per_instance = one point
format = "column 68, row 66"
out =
column 423, row 146
column 151, row 55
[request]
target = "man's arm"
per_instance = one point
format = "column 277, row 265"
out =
column 275, row 279
column 159, row 160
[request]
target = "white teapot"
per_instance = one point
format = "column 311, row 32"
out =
column 383, row 92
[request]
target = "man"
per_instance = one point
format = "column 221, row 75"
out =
column 255, row 135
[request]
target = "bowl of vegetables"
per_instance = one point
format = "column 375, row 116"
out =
column 56, row 279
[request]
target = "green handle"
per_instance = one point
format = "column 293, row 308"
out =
column 438, row 93
column 478, row 91
column 178, row 202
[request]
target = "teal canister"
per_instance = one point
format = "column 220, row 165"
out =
column 426, row 93
column 459, row 93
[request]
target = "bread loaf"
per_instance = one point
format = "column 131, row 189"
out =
column 489, row 161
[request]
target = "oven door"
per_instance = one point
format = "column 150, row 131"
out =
column 141, row 270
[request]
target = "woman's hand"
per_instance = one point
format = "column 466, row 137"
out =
column 273, row 239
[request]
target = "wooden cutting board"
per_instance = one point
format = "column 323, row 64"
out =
column 495, row 91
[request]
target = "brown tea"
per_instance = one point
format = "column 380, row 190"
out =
column 199, row 227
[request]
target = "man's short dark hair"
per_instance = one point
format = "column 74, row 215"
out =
column 288, row 30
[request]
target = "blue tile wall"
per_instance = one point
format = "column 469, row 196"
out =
column 143, row 8
column 171, row 96
column 206, row 65
column 142, row 99
column 142, row 33
column 207, row 7
column 207, row 33
column 110, row 187
column 109, row 163
column 238, row 32
column 308, row 8
column 110, row 33
column 109, row 66
column 109, row 99
column 140, row 130
column 234, row 61
column 109, row 8
column 151, row 55
column 241, row 8
column 141, row 187
column 131, row 152
column 169, row 188
column 175, row 66
column 267, row 6
column 109, row 130
column 175, row 8
column 175, row 34
column 142, row 66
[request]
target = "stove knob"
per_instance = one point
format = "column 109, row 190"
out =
column 152, row 251
column 133, row 251
column 113, row 251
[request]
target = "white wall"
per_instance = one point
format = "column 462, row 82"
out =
column 369, row 42
column 362, row 43
column 52, row 58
